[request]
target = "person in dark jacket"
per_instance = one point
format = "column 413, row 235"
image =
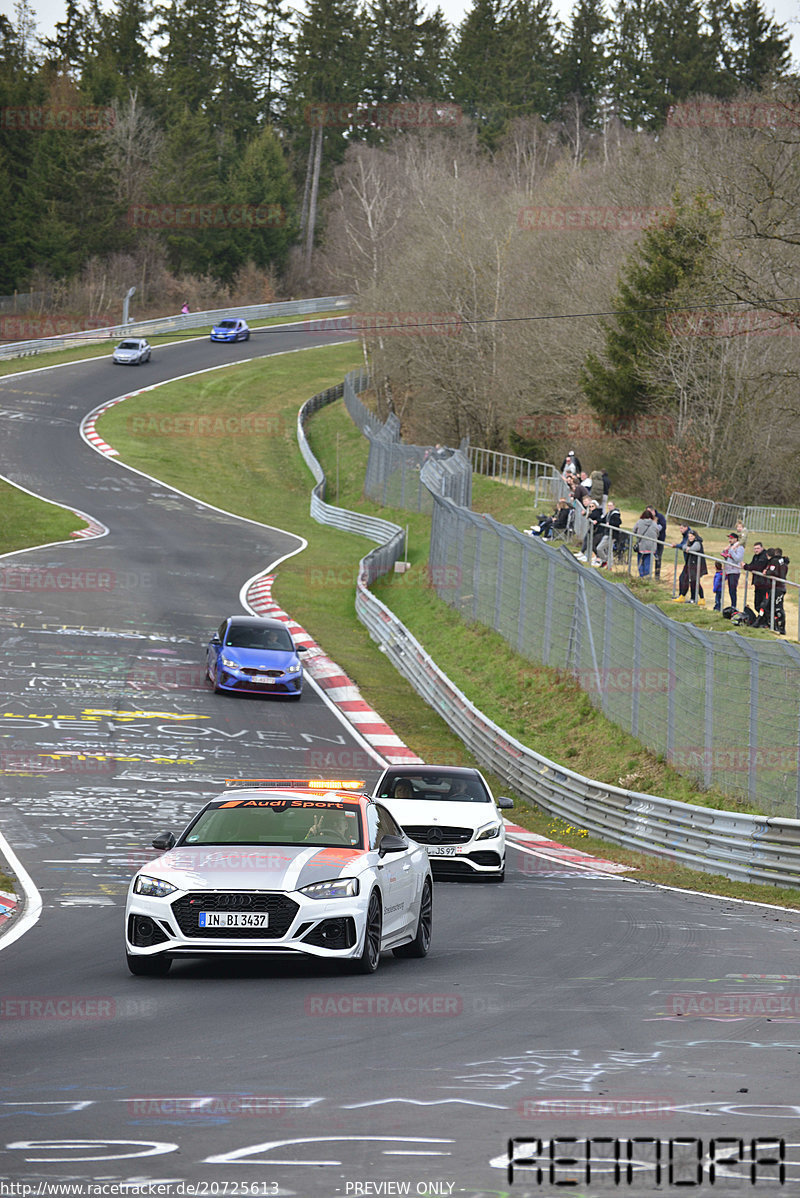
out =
column 775, row 572
column 756, row 565
column 661, row 521
column 609, row 543
column 694, row 567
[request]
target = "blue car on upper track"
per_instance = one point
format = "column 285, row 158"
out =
column 253, row 653
column 231, row 330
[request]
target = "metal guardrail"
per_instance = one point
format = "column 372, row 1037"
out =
column 763, row 520
column 179, row 323
column 743, row 847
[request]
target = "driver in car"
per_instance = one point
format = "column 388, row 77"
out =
column 330, row 825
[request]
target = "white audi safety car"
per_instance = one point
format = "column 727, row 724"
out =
column 276, row 866
column 451, row 811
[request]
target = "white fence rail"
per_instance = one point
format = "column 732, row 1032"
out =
column 743, row 847
column 767, row 521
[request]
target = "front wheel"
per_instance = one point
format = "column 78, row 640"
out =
column 419, row 946
column 148, row 967
column 367, row 961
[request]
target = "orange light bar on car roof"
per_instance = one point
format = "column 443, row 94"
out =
column 299, row 783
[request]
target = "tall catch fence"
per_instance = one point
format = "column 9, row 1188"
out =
column 722, row 708
column 400, row 475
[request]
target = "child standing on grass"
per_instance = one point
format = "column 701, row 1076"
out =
column 717, row 585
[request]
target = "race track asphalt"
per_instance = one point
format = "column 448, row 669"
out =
column 564, row 1003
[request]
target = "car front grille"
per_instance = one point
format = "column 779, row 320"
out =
column 437, row 834
column 262, row 673
column 281, row 910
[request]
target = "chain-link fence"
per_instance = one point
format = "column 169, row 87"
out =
column 721, row 708
column 405, row 476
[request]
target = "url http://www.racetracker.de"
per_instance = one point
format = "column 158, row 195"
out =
column 138, row 1189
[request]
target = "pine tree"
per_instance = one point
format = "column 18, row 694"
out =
column 672, row 256
column 477, row 67
column 753, row 47
column 117, row 63
column 262, row 182
column 187, row 175
column 636, row 92
column 585, row 58
column 406, row 58
column 530, row 66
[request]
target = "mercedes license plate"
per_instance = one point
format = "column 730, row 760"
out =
column 442, row 850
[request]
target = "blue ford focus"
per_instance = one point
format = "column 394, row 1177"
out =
column 252, row 653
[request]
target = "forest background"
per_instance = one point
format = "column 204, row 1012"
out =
column 583, row 232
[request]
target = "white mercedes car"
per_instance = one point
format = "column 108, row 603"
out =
column 273, row 867
column 451, row 811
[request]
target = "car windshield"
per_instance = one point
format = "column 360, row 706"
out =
column 128, row 345
column 227, row 324
column 454, row 788
column 278, row 821
column 276, row 639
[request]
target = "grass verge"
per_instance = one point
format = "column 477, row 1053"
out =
column 317, row 588
column 28, row 521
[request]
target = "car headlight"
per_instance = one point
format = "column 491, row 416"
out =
column 489, row 832
column 295, row 669
column 153, row 887
column 340, row 888
column 230, row 662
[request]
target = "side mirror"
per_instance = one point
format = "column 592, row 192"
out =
column 301, row 648
column 505, row 803
column 164, row 841
column 215, row 640
column 392, row 844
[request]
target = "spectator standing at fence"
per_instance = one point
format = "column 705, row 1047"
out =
column 741, row 532
column 734, row 556
column 594, row 516
column 646, row 531
column 608, row 543
column 661, row 521
column 756, row 565
column 775, row 572
column 570, row 465
column 185, row 309
column 695, row 567
column 579, row 492
column 606, row 489
column 716, row 586
column 683, row 580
